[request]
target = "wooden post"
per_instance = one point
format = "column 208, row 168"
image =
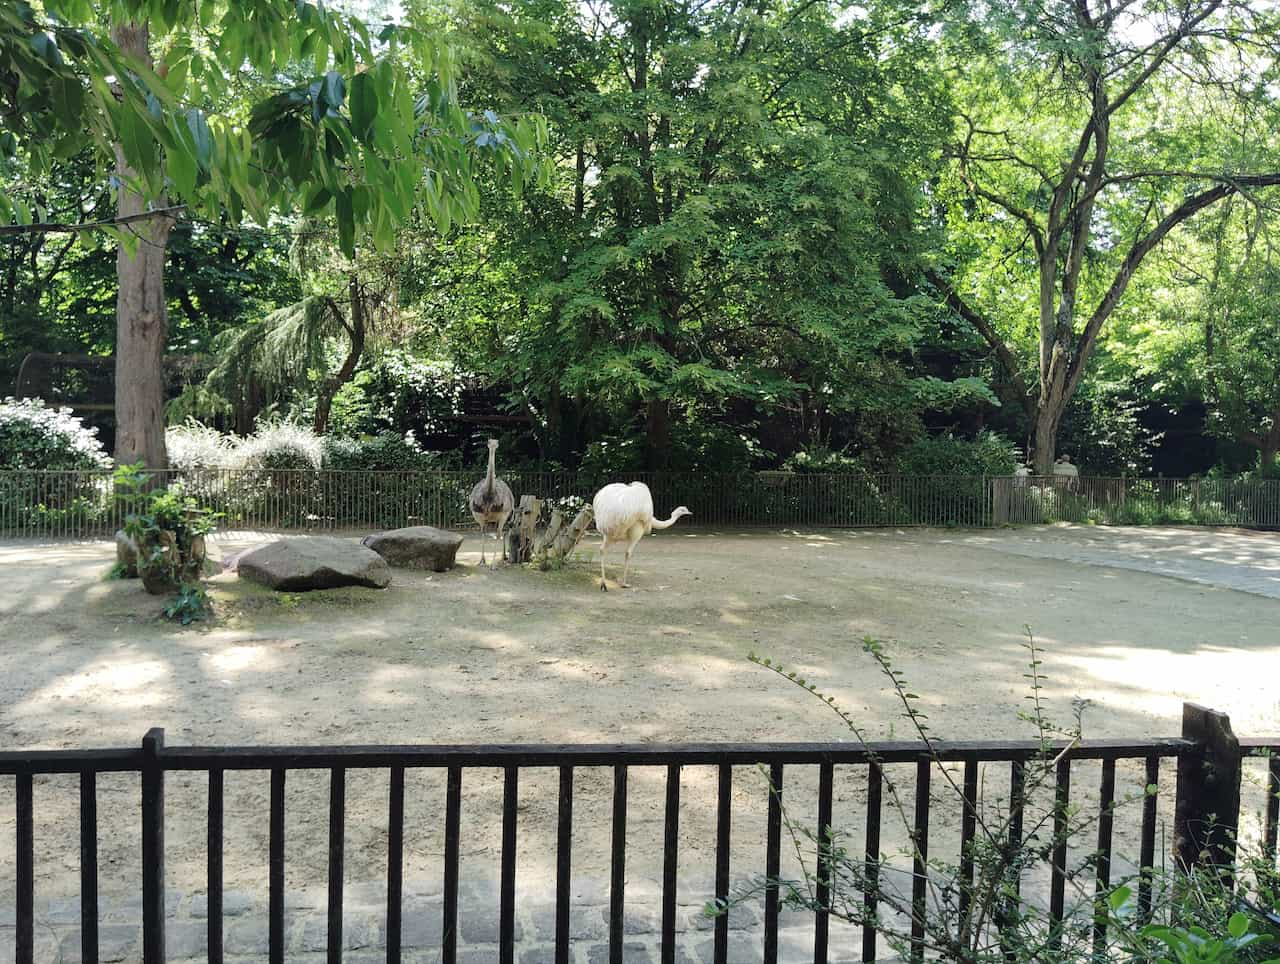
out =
column 153, row 847
column 1207, row 813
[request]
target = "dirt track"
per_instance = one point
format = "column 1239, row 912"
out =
column 1134, row 620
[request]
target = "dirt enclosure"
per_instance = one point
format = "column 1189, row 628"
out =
column 1134, row 620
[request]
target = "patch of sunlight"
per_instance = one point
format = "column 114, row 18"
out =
column 235, row 658
column 119, row 677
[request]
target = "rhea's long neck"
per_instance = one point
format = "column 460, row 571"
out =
column 492, row 473
column 666, row 523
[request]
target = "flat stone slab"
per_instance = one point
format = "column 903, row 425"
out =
column 304, row 563
column 416, row 547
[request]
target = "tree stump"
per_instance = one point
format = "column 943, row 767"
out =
column 568, row 538
column 520, row 538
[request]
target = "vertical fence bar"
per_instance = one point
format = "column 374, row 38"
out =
column 871, row 856
column 670, row 863
column 25, row 900
column 452, row 813
column 920, row 861
column 275, row 870
column 1147, row 851
column 1058, row 884
column 968, row 826
column 826, row 845
column 213, row 867
column 152, row 848
column 395, row 864
column 337, row 846
column 1102, row 884
column 507, row 899
column 564, row 864
column 724, row 817
column 1017, row 805
column 1273, row 809
column 618, row 864
column 88, row 868
column 773, row 864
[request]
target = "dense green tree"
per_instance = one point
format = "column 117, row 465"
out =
column 251, row 107
column 731, row 229
column 1088, row 133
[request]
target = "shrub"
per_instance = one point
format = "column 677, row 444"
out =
column 194, row 447
column 974, row 911
column 987, row 454
column 280, row 446
column 384, row 452
column 35, row 436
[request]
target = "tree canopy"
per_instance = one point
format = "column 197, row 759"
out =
column 663, row 233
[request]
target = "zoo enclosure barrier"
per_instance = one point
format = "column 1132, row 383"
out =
column 67, row 504
column 1209, row 762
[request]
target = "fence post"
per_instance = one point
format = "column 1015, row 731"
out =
column 1207, row 812
column 153, row 847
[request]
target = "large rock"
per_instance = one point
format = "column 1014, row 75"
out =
column 417, row 547
column 313, row 562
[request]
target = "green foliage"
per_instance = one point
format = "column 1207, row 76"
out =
column 347, row 123
column 168, row 527
column 730, row 234
column 988, row 454
column 36, row 436
column 191, row 604
column 384, row 452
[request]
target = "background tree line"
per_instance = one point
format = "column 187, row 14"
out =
column 666, row 233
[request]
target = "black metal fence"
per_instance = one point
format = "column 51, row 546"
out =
column 1208, row 763
column 1251, row 503
column 63, row 504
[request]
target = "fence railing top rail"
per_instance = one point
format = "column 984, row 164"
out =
column 601, row 754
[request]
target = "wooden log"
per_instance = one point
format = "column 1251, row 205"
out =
column 547, row 537
column 569, row 537
column 520, row 538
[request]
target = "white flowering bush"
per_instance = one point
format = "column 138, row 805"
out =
column 194, row 447
column 278, row 446
column 35, row 436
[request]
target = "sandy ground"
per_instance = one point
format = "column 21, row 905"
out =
column 1135, row 620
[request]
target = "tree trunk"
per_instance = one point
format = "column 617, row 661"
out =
column 141, row 324
column 357, row 330
column 1267, row 459
column 1044, row 438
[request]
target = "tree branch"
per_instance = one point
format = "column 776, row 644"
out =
column 9, row 230
column 989, row 335
column 1141, row 248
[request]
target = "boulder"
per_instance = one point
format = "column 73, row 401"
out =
column 417, row 547
column 313, row 562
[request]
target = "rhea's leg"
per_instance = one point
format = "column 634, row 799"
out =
column 483, row 526
column 604, row 546
column 501, row 551
column 626, row 564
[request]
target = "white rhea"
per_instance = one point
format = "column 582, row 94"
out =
column 624, row 514
column 491, row 501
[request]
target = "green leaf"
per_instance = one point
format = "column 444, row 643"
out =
column 364, row 105
column 333, row 90
column 317, row 201
column 346, row 223
column 201, row 137
column 1238, row 924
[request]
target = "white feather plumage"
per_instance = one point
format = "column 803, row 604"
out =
column 623, row 513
